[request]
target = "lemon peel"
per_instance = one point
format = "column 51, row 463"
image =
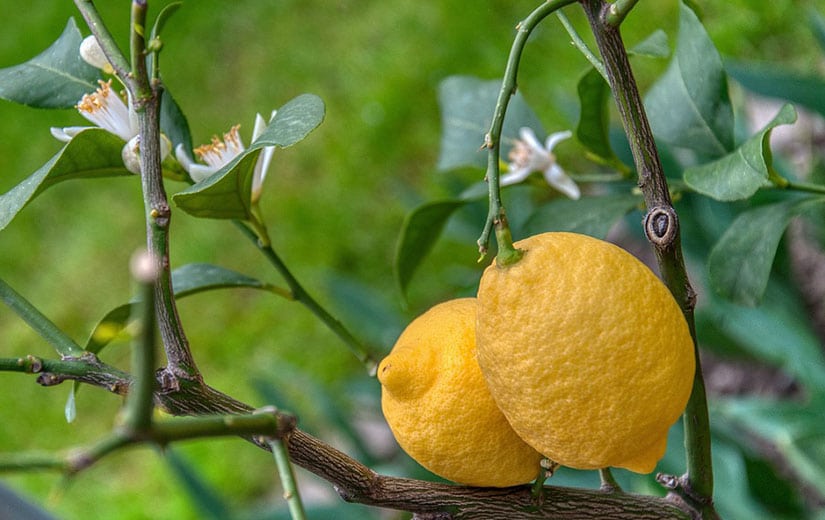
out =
column 585, row 351
column 437, row 405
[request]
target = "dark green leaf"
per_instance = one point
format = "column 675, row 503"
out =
column 773, row 81
column 173, row 123
column 594, row 116
column 467, row 106
column 689, row 105
column 91, row 153
column 740, row 263
column 654, row 46
column 227, row 193
column 419, row 233
column 56, row 78
column 741, row 173
column 593, row 216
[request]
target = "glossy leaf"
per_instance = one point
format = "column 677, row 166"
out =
column 593, row 216
column 187, row 280
column 689, row 105
column 740, row 263
column 227, row 193
column 594, row 116
column 56, row 78
column 419, row 233
column 742, row 172
column 773, row 81
column 467, row 105
column 90, row 154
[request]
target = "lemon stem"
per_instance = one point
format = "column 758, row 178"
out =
column 507, row 252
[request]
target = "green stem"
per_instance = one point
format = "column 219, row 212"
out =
column 140, row 403
column 618, row 11
column 62, row 343
column 663, row 234
column 579, row 43
column 137, row 50
column 804, row 186
column 492, row 139
column 104, row 37
column 285, row 472
column 301, row 295
column 609, row 483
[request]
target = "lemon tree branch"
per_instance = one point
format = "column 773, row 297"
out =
column 662, row 229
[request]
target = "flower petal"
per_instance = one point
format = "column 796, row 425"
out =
column 514, row 176
column 529, row 137
column 557, row 137
column 66, row 133
column 556, row 177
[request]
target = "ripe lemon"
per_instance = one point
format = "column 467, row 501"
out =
column 585, row 351
column 439, row 409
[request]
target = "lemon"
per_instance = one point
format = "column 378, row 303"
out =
column 438, row 407
column 585, row 351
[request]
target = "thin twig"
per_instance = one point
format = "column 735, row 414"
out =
column 300, row 294
column 492, row 140
column 291, row 492
column 579, row 43
column 107, row 42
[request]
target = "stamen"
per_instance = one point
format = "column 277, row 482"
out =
column 220, row 151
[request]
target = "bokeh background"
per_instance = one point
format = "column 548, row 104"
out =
column 334, row 203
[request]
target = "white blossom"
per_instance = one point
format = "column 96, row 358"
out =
column 221, row 151
column 107, row 110
column 529, row 155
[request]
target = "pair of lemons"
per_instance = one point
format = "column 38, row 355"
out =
column 577, row 353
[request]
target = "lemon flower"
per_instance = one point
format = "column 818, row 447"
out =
column 220, row 152
column 528, row 155
column 106, row 110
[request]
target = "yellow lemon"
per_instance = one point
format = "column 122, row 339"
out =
column 439, row 409
column 585, row 351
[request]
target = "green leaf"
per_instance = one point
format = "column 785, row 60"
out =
column 654, row 46
column 593, row 216
column 56, row 78
column 419, row 233
column 794, row 429
column 92, row 153
column 689, row 105
column 467, row 105
column 173, row 123
column 594, row 118
column 207, row 500
column 227, row 193
column 163, row 17
column 777, row 332
column 772, row 81
column 742, row 172
column 187, row 280
column 740, row 263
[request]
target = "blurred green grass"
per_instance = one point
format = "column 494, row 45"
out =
column 334, row 203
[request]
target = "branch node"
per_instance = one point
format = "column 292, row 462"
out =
column 661, row 226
